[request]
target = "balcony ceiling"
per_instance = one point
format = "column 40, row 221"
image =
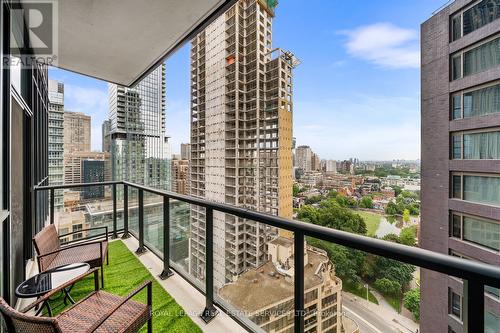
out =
column 120, row 41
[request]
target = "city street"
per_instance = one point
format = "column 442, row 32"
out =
column 370, row 317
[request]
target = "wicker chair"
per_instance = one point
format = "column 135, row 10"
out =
column 51, row 253
column 100, row 312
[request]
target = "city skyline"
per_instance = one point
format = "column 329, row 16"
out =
column 393, row 104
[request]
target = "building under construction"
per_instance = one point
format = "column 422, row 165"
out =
column 241, row 135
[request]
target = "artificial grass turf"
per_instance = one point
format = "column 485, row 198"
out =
column 125, row 273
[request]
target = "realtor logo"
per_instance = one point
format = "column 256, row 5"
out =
column 33, row 26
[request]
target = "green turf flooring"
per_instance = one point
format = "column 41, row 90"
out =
column 124, row 273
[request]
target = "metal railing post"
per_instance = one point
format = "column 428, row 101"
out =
column 474, row 311
column 52, row 203
column 141, row 248
column 166, row 239
column 125, row 212
column 115, row 235
column 299, row 282
column 210, row 311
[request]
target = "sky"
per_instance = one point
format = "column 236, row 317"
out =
column 356, row 91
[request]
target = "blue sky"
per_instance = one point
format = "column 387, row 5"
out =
column 356, row 92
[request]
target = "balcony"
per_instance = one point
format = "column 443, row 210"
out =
column 131, row 215
column 257, row 291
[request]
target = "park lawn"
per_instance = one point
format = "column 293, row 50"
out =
column 372, row 221
column 358, row 290
column 124, row 273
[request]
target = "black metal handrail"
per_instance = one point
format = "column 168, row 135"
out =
column 475, row 274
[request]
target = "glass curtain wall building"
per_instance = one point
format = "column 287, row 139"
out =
column 139, row 146
column 56, row 139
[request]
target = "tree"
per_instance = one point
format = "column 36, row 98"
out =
column 348, row 262
column 346, row 202
column 397, row 190
column 411, row 301
column 332, row 194
column 393, row 270
column 408, row 235
column 366, row 202
column 406, row 215
column 391, row 209
column 391, row 238
column 313, row 200
column 296, row 190
column 388, row 287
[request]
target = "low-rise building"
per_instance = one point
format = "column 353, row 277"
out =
column 266, row 293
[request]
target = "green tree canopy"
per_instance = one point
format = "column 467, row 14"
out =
column 411, row 301
column 332, row 215
column 388, row 287
column 366, row 202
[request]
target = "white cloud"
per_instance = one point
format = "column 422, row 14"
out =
column 385, row 45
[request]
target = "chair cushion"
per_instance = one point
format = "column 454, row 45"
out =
column 80, row 317
column 88, row 253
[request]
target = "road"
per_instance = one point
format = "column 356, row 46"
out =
column 368, row 321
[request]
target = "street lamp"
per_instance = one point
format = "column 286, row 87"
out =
column 366, row 286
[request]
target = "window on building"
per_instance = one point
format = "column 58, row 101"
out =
column 477, row 103
column 455, row 304
column 474, row 18
column 476, row 146
column 481, row 58
column 456, row 27
column 481, row 189
column 456, row 146
column 491, row 322
column 479, row 231
column 479, row 15
column 492, row 291
column 457, row 187
column 456, row 67
column 456, row 226
column 482, row 146
column 476, row 60
column 456, row 106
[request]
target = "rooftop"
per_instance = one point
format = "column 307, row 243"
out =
column 272, row 286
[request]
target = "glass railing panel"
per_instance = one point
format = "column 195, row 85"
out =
column 348, row 290
column 187, row 241
column 133, row 212
column 153, row 221
column 180, row 234
column 254, row 272
column 84, row 208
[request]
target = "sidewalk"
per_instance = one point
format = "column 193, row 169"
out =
column 385, row 311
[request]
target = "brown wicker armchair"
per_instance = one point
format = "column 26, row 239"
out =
column 100, row 312
column 51, row 253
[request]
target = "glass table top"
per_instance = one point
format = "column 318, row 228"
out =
column 44, row 282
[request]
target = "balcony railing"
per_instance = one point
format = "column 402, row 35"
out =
column 474, row 274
